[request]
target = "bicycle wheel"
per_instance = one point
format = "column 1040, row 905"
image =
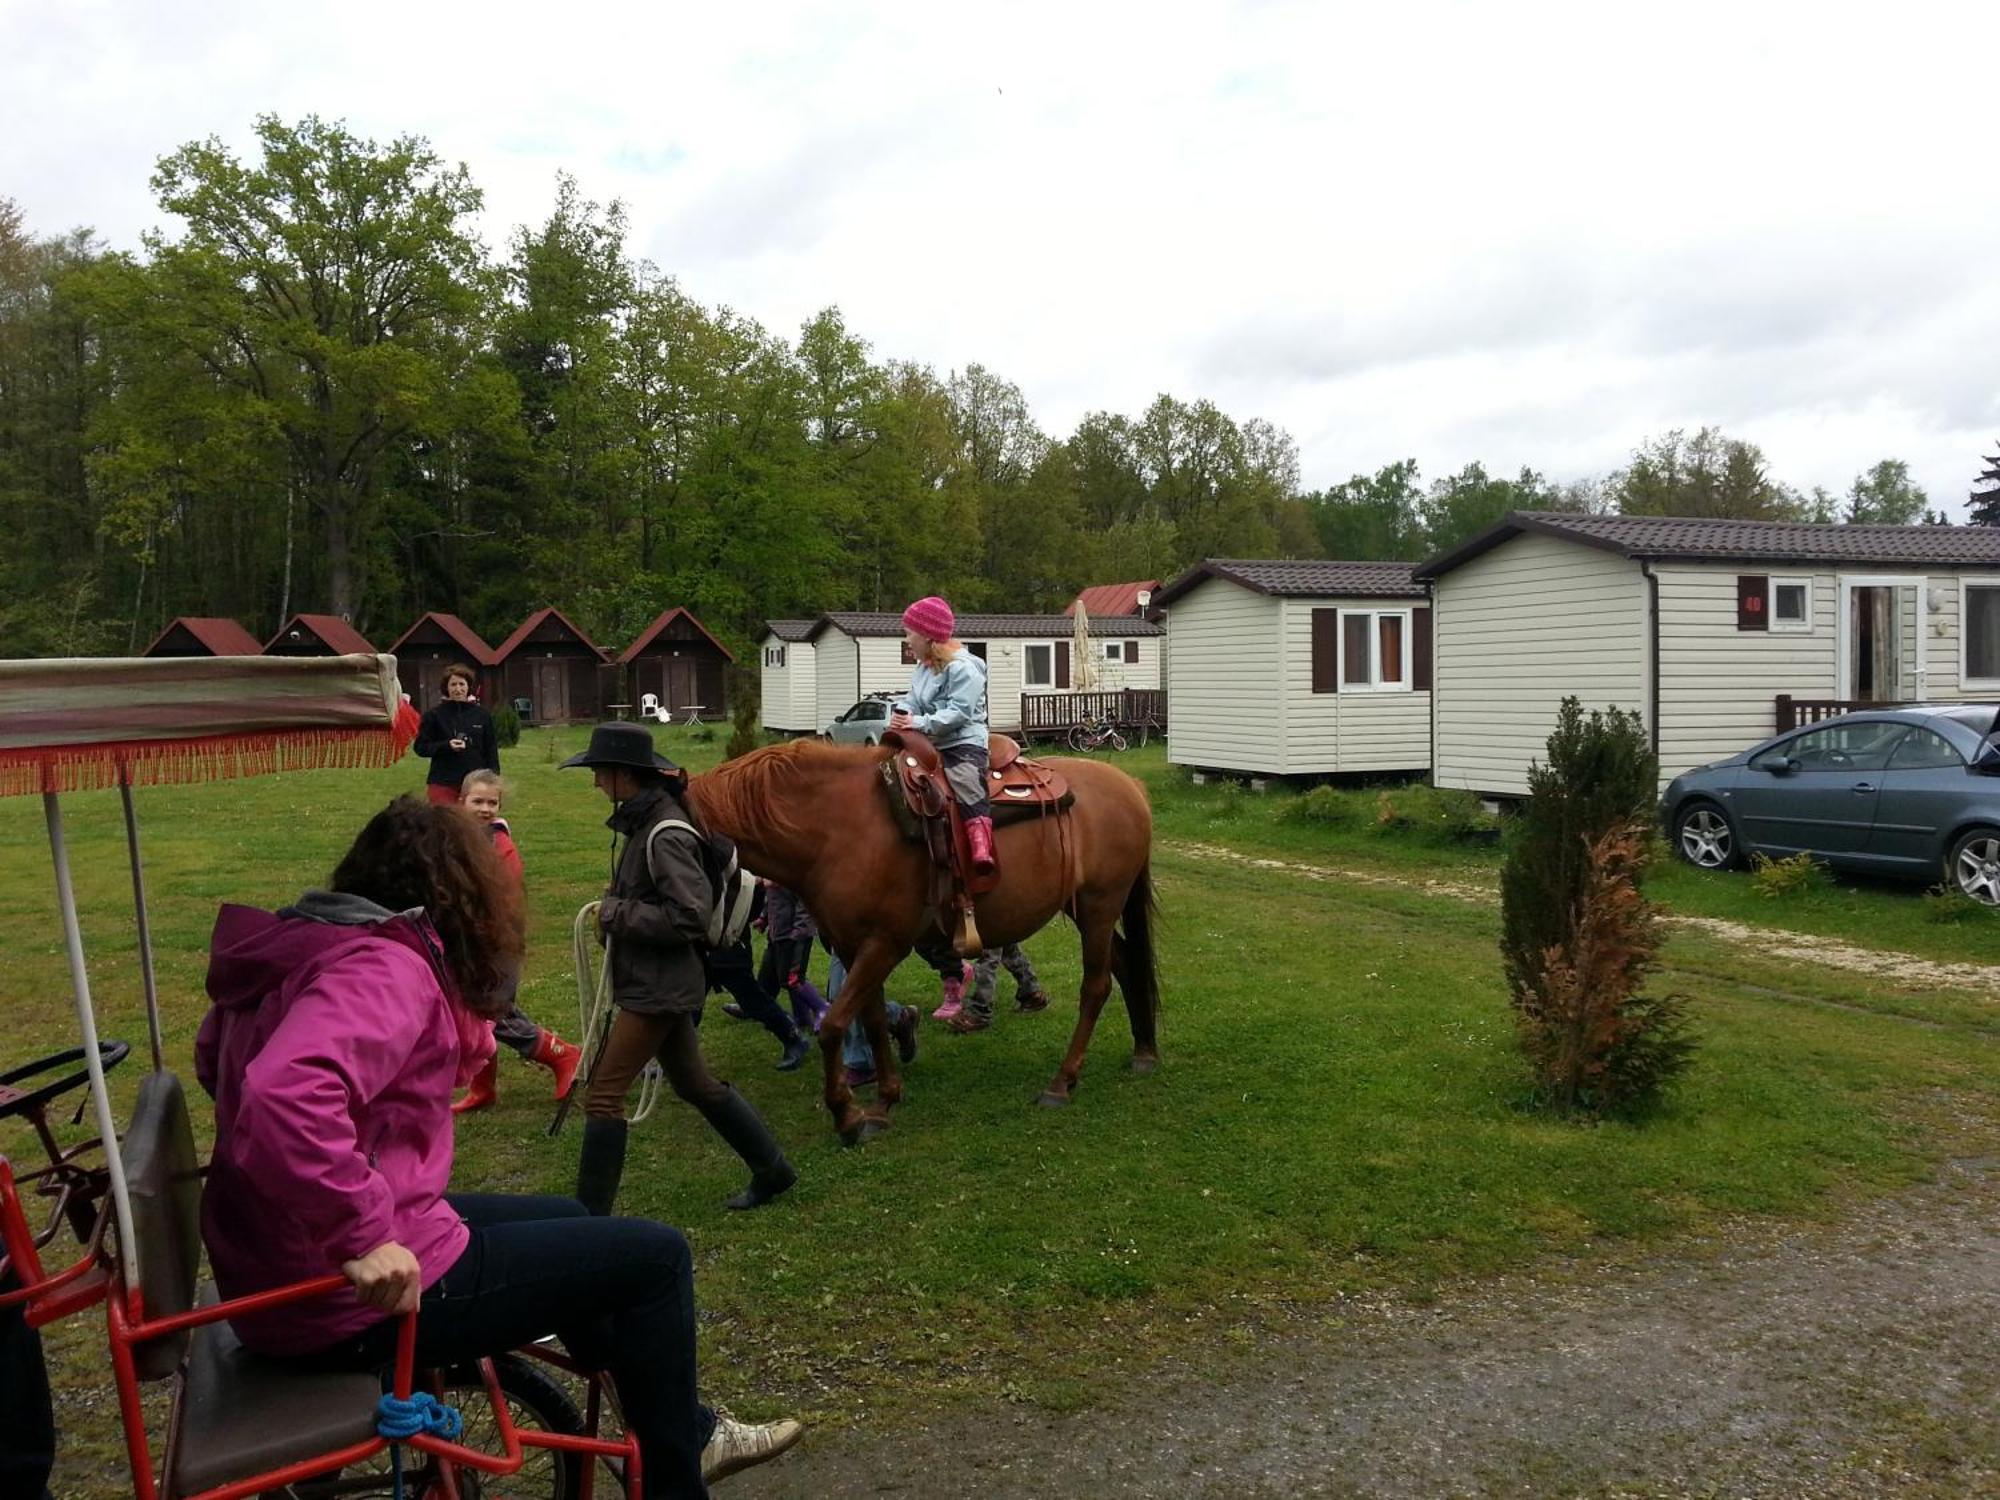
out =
column 536, row 1402
column 1079, row 738
column 1118, row 741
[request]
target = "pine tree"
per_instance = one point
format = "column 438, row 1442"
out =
column 1986, row 495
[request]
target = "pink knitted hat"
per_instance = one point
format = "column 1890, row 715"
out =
column 931, row 618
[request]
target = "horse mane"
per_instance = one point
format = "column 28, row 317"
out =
column 764, row 796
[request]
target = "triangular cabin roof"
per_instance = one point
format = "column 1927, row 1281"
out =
column 461, row 635
column 663, row 625
column 790, row 630
column 332, row 632
column 533, row 623
column 220, row 636
column 1113, row 598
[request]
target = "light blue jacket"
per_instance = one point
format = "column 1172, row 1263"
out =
column 949, row 706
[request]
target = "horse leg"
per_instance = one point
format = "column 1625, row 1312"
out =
column 1145, row 1033
column 1095, row 922
column 860, row 991
column 888, row 1067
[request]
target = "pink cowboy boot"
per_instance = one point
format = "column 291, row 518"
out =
column 954, row 995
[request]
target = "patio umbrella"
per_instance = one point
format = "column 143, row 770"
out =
column 1083, row 673
column 80, row 725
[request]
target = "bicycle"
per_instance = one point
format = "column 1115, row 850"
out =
column 1095, row 734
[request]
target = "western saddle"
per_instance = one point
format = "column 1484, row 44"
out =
column 922, row 801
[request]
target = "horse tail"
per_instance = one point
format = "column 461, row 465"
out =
column 1141, row 979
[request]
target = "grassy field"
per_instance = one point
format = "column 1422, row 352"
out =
column 1341, row 1107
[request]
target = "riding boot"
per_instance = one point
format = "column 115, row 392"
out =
column 484, row 1092
column 559, row 1057
column 815, row 1004
column 602, row 1163
column 979, row 840
column 736, row 1120
column 798, row 1047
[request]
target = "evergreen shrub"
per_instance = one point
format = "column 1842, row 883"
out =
column 506, row 726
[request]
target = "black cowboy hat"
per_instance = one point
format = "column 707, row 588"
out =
column 629, row 745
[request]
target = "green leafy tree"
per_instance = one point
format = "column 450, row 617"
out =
column 1885, row 496
column 1706, row 475
column 1462, row 506
column 1372, row 516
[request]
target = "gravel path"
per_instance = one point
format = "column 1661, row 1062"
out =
column 1802, row 947
column 1854, row 1359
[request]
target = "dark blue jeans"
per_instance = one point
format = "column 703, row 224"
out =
column 619, row 1293
column 27, row 1419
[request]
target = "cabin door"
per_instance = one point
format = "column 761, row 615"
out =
column 1881, row 640
column 680, row 683
column 551, row 678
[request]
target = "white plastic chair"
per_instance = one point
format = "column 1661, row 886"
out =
column 649, row 707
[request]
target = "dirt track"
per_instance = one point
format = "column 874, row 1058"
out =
column 1849, row 1360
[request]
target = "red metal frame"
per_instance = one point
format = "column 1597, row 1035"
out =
column 128, row 1326
column 38, row 1290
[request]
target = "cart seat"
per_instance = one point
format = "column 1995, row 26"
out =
column 243, row 1414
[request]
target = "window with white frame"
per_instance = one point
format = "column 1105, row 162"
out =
column 774, row 656
column 1114, row 651
column 1038, row 664
column 1791, row 604
column 1374, row 650
column 1981, row 634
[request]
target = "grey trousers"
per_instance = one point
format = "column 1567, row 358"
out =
column 986, row 972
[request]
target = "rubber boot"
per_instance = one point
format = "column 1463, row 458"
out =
column 602, row 1163
column 559, row 1057
column 484, row 1093
column 736, row 1120
column 954, row 997
column 798, row 1047
column 816, row 1005
column 979, row 840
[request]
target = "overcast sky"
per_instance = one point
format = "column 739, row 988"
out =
column 1518, row 233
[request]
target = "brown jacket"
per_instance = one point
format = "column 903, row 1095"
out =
column 656, row 912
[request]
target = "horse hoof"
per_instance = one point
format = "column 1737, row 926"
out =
column 853, row 1135
column 872, row 1128
column 1053, row 1100
column 1144, row 1063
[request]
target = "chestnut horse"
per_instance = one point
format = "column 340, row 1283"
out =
column 816, row 817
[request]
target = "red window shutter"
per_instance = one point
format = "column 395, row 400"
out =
column 1325, row 650
column 1753, row 601
column 1420, row 651
column 1062, row 665
column 1131, row 653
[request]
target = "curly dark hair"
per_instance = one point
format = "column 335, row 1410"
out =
column 414, row 854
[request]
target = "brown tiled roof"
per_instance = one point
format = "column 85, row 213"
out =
column 527, row 627
column 791, row 630
column 1113, row 598
column 468, row 640
column 1302, row 579
column 1690, row 539
column 665, row 618
column 221, row 636
column 339, row 636
column 988, row 627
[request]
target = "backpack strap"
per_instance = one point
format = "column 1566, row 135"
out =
column 735, row 888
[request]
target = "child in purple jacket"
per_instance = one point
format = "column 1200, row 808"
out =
column 339, row 1027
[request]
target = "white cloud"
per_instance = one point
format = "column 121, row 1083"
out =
column 1526, row 234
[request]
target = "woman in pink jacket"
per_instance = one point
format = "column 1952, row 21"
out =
column 339, row 1028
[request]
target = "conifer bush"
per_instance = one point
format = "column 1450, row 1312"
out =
column 745, row 734
column 506, row 726
column 1578, row 937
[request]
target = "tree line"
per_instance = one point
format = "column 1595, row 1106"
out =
column 323, row 392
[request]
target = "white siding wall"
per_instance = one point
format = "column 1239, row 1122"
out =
column 1719, row 685
column 835, row 654
column 882, row 667
column 1225, row 703
column 1327, row 733
column 791, row 692
column 1515, row 631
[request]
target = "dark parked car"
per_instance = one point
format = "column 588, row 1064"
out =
column 1910, row 792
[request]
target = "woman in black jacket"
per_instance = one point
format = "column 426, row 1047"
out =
column 457, row 734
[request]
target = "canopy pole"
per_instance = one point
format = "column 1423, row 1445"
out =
column 86, row 1020
column 145, row 927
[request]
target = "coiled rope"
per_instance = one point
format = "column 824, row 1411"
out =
column 594, row 1008
column 399, row 1420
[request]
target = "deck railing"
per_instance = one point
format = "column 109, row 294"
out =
column 1055, row 713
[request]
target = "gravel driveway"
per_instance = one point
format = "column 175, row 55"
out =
column 1855, row 1358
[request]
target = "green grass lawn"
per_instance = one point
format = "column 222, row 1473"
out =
column 1341, row 1106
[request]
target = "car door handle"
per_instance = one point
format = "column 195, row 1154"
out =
column 1864, row 786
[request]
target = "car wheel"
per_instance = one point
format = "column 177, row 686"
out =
column 1973, row 866
column 1704, row 836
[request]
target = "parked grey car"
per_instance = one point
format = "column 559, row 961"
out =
column 1910, row 792
column 862, row 724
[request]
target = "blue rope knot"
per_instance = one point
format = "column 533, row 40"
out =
column 397, row 1419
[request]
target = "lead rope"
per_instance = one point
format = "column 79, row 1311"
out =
column 399, row 1420
column 594, row 1008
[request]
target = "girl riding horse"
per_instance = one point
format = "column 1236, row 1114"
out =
column 947, row 704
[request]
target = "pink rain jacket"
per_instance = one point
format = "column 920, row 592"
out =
column 331, row 1051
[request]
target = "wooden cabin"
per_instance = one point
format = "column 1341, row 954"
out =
column 438, row 641
column 680, row 663
column 556, row 670
column 317, row 635
column 204, row 635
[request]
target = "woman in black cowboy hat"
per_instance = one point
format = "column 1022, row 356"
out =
column 655, row 912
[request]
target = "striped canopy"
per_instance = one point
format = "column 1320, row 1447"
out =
column 81, row 723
